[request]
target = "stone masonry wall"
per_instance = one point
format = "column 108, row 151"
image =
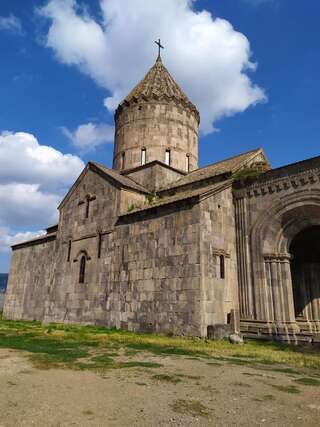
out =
column 154, row 176
column 147, row 276
column 69, row 300
column 219, row 294
column 155, row 271
column 270, row 211
column 29, row 281
column 156, row 126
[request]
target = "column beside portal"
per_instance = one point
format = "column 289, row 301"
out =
column 279, row 295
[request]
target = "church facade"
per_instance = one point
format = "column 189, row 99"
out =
column 157, row 244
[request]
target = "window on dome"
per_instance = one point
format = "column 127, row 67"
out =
column 187, row 163
column 143, row 156
column 123, row 158
column 69, row 251
column 168, row 158
column 222, row 267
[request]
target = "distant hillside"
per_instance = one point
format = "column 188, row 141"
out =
column 3, row 281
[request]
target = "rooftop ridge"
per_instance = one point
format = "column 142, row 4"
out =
column 228, row 165
column 125, row 181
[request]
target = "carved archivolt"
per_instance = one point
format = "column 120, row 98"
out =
column 276, row 227
column 270, row 239
column 80, row 254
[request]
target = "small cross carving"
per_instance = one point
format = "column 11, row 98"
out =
column 89, row 198
column 158, row 43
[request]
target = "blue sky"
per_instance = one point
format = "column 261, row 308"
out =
column 53, row 85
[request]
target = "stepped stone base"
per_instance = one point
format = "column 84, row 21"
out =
column 291, row 333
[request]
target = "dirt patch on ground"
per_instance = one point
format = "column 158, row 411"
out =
column 181, row 392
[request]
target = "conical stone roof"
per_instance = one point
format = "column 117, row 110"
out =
column 158, row 84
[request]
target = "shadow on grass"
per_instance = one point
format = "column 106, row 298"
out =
column 68, row 345
column 279, row 346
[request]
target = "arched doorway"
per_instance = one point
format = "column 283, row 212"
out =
column 305, row 270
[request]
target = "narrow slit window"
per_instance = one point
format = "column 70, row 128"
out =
column 187, row 163
column 123, row 159
column 69, row 251
column 99, row 244
column 222, row 267
column 143, row 156
column 168, row 158
column 82, row 269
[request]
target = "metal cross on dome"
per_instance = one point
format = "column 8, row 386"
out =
column 158, row 43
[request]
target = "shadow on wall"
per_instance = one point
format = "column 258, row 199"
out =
column 305, row 269
column 2, row 296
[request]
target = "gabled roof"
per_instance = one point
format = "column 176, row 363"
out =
column 35, row 241
column 110, row 175
column 124, row 181
column 231, row 165
column 163, row 201
column 52, row 229
column 157, row 84
column 310, row 165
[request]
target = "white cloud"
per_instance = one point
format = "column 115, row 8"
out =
column 33, row 179
column 24, row 205
column 88, row 136
column 11, row 23
column 206, row 55
column 7, row 239
column 24, row 160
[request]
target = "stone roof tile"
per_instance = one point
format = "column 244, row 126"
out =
column 159, row 84
column 162, row 201
column 115, row 176
column 121, row 179
column 225, row 166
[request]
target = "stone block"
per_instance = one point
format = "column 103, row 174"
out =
column 218, row 332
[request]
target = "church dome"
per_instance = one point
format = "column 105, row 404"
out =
column 156, row 85
column 156, row 121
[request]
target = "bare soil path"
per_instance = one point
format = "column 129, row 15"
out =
column 182, row 392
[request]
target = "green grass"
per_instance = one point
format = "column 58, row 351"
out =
column 90, row 347
column 137, row 364
column 289, row 371
column 308, row 381
column 175, row 378
column 191, row 407
column 286, row 388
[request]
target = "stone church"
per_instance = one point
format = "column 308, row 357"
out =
column 157, row 244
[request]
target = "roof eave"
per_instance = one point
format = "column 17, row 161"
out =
column 36, row 241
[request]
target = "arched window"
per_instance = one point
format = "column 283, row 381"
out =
column 222, row 267
column 82, row 269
